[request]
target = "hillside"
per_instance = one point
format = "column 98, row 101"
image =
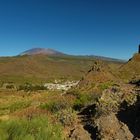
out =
column 42, row 68
column 131, row 68
column 100, row 76
column 103, row 74
column 44, row 65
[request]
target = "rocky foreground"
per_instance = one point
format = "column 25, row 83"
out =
column 115, row 113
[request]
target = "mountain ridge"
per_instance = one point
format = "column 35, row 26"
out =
column 52, row 52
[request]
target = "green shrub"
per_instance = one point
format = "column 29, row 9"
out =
column 106, row 85
column 19, row 105
column 82, row 100
column 29, row 87
column 103, row 86
column 36, row 129
column 54, row 106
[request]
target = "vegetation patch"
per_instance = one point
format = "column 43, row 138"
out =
column 54, row 106
column 67, row 117
column 30, row 87
column 15, row 106
column 35, row 129
column 84, row 99
column 106, row 85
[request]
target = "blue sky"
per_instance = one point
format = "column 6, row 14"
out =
column 100, row 27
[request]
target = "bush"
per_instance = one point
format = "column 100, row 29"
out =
column 67, row 117
column 36, row 129
column 82, row 100
column 10, row 87
column 73, row 92
column 55, row 106
column 29, row 87
column 109, row 102
column 106, row 85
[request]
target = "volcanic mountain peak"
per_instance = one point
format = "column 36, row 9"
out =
column 41, row 51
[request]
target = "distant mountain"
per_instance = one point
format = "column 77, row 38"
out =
column 51, row 52
column 42, row 51
column 108, row 58
column 104, row 58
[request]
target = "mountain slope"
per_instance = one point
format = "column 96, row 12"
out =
column 131, row 69
column 41, row 51
column 99, row 75
column 42, row 68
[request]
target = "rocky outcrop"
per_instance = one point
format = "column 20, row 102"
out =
column 115, row 115
column 100, row 73
column 110, row 128
column 79, row 133
column 130, row 115
column 135, row 80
